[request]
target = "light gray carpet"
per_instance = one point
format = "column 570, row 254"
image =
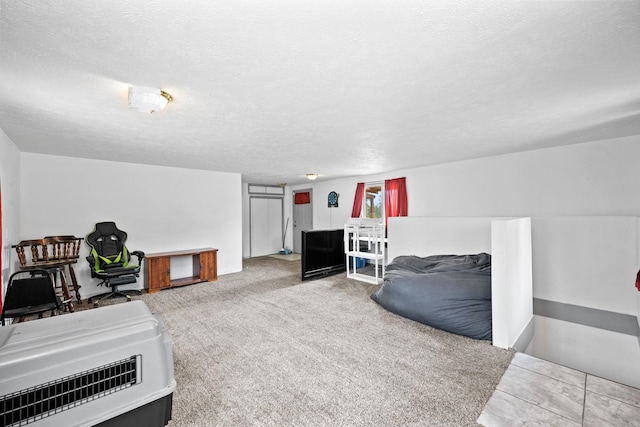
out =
column 260, row 347
column 288, row 257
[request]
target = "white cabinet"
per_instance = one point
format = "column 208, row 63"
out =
column 364, row 240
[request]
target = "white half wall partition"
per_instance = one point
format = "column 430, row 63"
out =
column 508, row 240
column 511, row 283
column 425, row 236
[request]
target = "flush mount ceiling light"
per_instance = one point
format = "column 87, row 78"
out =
column 311, row 176
column 148, row 99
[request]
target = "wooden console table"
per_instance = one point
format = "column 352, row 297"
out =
column 158, row 270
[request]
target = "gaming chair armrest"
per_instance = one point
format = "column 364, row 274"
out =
column 92, row 261
column 140, row 256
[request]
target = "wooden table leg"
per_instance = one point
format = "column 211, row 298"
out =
column 68, row 301
column 74, row 283
column 66, row 296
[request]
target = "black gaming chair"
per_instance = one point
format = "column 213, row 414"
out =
column 110, row 260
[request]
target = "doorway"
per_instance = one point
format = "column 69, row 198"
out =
column 302, row 216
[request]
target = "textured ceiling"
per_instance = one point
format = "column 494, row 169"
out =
column 276, row 89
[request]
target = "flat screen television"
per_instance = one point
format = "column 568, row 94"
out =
column 322, row 253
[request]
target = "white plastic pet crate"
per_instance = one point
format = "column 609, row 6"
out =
column 111, row 366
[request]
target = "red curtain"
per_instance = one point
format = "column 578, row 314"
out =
column 395, row 198
column 302, row 198
column 357, row 201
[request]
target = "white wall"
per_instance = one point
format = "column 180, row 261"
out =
column 10, row 187
column 587, row 261
column 161, row 208
column 585, row 179
column 598, row 178
column 325, row 218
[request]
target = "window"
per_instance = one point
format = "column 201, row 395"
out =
column 381, row 199
column 373, row 202
column 276, row 190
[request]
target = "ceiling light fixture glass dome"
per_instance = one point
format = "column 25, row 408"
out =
column 148, row 99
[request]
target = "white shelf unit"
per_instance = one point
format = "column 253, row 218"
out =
column 371, row 231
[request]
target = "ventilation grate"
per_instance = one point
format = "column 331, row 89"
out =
column 35, row 403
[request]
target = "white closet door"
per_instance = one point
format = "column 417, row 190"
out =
column 266, row 226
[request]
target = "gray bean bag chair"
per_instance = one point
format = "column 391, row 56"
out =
column 448, row 292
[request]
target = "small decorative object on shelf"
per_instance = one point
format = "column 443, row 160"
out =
column 333, row 199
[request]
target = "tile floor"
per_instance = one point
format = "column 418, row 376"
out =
column 536, row 392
